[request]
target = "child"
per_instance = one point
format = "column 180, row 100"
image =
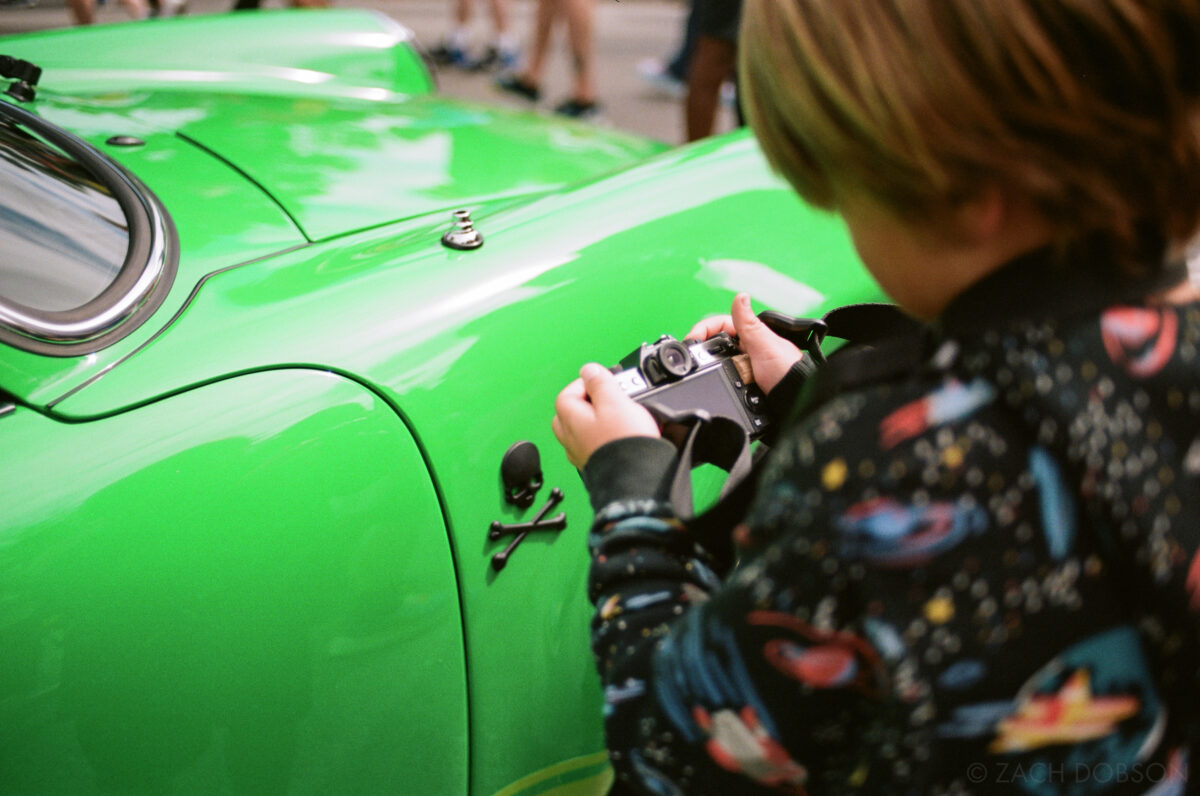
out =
column 977, row 574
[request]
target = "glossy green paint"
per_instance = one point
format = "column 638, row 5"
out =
column 246, row 588
column 305, row 441
column 330, row 52
column 472, row 347
column 340, row 164
column 327, row 162
column 328, row 110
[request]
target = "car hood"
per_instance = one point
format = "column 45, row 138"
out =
column 339, row 164
column 342, row 164
column 403, row 312
column 330, row 113
column 264, row 133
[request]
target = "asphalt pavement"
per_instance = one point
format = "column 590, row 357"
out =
column 626, row 31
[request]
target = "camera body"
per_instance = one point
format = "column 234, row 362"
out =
column 712, row 376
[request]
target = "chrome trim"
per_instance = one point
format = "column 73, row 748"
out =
column 140, row 285
column 23, row 322
column 187, row 302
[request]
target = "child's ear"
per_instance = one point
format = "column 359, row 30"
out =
column 999, row 223
column 983, row 216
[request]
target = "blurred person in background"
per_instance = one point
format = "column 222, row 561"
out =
column 84, row 11
column 669, row 76
column 579, row 22
column 455, row 49
column 251, row 5
column 713, row 63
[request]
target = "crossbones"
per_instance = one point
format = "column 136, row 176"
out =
column 523, row 529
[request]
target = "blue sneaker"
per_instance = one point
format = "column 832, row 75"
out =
column 446, row 54
column 507, row 59
column 499, row 60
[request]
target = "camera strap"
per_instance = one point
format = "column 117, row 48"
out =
column 882, row 342
column 863, row 324
column 719, row 441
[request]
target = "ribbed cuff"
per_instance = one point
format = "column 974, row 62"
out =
column 632, row 468
column 783, row 396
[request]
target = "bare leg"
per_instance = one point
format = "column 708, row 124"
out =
column 454, row 45
column 547, row 13
column 579, row 34
column 503, row 46
column 712, row 64
column 84, row 11
column 500, row 16
column 137, row 9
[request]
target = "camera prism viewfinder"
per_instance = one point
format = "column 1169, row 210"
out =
column 712, row 376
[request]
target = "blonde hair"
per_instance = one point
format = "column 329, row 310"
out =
column 1088, row 108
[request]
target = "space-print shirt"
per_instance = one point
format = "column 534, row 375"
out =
column 982, row 576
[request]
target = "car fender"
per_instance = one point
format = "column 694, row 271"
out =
column 256, row 593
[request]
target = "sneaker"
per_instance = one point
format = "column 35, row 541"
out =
column 493, row 58
column 515, row 85
column 507, row 59
column 486, row 61
column 577, row 109
column 654, row 72
column 448, row 55
column 729, row 95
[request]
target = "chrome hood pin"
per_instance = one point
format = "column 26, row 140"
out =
column 463, row 234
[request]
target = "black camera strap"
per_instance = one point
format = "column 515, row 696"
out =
column 882, row 343
column 870, row 324
column 719, row 441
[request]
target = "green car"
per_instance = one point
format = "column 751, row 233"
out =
column 259, row 381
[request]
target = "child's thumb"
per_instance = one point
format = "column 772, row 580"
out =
column 753, row 334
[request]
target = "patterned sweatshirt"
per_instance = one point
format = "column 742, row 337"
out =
column 979, row 576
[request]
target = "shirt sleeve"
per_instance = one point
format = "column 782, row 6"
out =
column 719, row 685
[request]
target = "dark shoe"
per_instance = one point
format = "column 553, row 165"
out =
column 578, row 109
column 496, row 59
column 446, row 54
column 507, row 59
column 515, row 85
column 485, row 61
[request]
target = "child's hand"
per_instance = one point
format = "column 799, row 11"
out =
column 770, row 355
column 594, row 410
